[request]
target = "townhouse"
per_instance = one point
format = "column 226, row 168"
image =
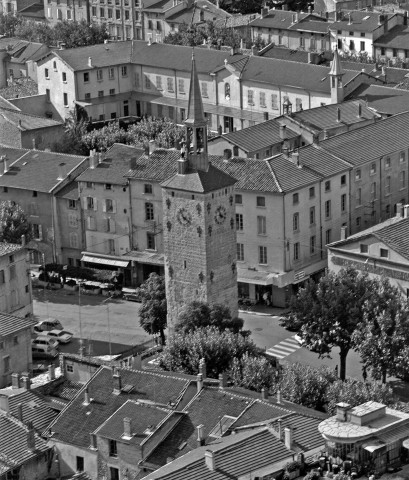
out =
column 393, row 45
column 137, row 78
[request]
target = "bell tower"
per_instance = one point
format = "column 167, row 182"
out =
column 199, row 225
column 335, row 75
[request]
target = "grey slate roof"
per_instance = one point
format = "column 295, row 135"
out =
column 384, row 99
column 282, row 19
column 10, row 324
column 396, row 236
column 396, row 37
column 28, row 121
column 322, row 162
column 361, row 21
column 289, row 176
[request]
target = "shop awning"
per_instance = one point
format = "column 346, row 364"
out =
column 405, row 443
column 151, row 258
column 255, row 277
column 82, row 104
column 373, row 444
column 104, row 261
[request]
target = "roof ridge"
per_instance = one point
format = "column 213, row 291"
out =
column 274, row 175
column 28, row 115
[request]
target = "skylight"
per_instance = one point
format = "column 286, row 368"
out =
column 222, row 426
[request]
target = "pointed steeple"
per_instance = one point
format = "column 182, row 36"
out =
column 195, row 114
column 336, row 69
column 335, row 75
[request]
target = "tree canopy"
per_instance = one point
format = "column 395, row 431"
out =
column 13, row 223
column 153, row 310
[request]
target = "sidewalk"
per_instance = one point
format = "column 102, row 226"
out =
column 263, row 310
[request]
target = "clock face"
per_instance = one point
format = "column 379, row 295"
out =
column 220, row 215
column 184, row 217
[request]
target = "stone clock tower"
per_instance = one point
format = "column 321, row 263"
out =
column 199, row 225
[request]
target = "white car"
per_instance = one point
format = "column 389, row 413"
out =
column 44, row 341
column 62, row 336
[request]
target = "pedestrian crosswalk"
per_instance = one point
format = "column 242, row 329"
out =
column 284, row 348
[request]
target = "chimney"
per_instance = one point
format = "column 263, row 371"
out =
column 100, row 158
column 316, row 139
column 343, row 233
column 20, row 411
column 342, row 409
column 288, row 437
column 31, row 441
column 309, row 9
column 61, row 171
column 278, row 396
column 283, row 134
column 296, row 17
column 406, row 211
column 33, row 142
column 127, row 428
column 280, row 428
column 199, row 381
column 200, row 435
column 19, row 123
column 117, row 382
column 293, row 18
column 398, row 210
column 359, row 110
column 23, row 240
column 349, row 18
column 326, row 135
column 210, row 460
column 223, row 380
column 93, row 161
column 149, row 40
column 202, row 368
column 380, row 19
column 241, row 44
column 264, row 394
column 264, row 11
column 295, row 158
column 338, row 114
column 26, row 383
column 254, row 51
column 15, row 380
column 152, row 146
column 90, row 62
column 93, row 441
column 86, row 397
column 62, row 46
column 182, row 166
column 4, row 403
column 6, row 164
column 309, row 57
column 51, row 372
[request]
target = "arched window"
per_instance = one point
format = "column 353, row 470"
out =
column 149, row 211
column 227, row 91
column 201, row 16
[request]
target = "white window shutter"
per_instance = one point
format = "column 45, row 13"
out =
column 95, row 204
column 85, row 203
column 104, row 206
column 113, row 206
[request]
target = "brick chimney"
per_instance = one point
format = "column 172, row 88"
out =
column 127, row 428
column 26, row 383
column 86, row 397
column 283, row 132
column 223, row 380
column 342, row 409
column 31, row 441
column 15, row 381
column 51, row 372
column 288, row 437
column 264, row 394
column 199, row 382
column 61, row 171
column 117, row 382
column 200, row 435
column 210, row 460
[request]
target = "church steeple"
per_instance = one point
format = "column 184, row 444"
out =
column 336, row 74
column 196, row 125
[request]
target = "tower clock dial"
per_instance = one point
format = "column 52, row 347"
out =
column 184, row 217
column 220, row 215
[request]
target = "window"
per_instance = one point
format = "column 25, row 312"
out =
column 100, row 93
column 402, row 179
column 373, row 168
column 363, row 248
column 149, row 213
column 274, row 101
column 5, row 189
column 387, row 186
column 158, row 82
column 328, row 234
column 13, row 267
column 358, row 174
column 295, row 198
column 109, row 206
column 296, row 221
column 239, row 199
column 6, row 364
column 239, row 221
column 147, row 188
column 11, row 258
column 343, row 180
column 312, row 215
column 68, row 14
column 358, row 221
column 313, row 243
column 181, row 86
column 89, row 185
column 90, row 203
column 402, row 157
column 112, row 91
column 362, row 46
column 262, row 255
column 37, row 231
column 111, row 73
column 86, row 77
column 170, row 84
column 87, row 96
column 240, row 252
column 80, row 460
column 113, row 449
column 343, row 202
column 113, row 473
column 384, row 253
column 94, row 11
column 102, row 15
column 150, row 241
column 227, row 91
column 373, row 190
column 204, row 89
column 351, row 45
column 262, row 99
column 250, row 97
column 47, row 95
column 109, row 12
column 387, row 162
column 111, row 245
column 124, row 71
column 65, row 98
column 100, row 75
column 312, row 192
column 261, row 201
column 46, row 74
column 261, row 225
column 328, row 209
column 298, row 104
column 2, row 280
column 72, row 220
column 296, row 251
column 328, row 186
column 64, row 77
column 359, row 196
column 108, row 186
column 171, row 112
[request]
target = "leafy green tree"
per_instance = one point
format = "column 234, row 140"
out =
column 153, row 310
column 13, row 223
column 8, row 24
column 254, row 373
column 34, row 31
column 327, row 314
column 200, row 314
column 306, row 385
column 184, row 351
column 354, row 392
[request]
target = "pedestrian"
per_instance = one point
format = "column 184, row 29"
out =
column 265, row 298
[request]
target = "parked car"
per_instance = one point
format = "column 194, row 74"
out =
column 44, row 347
column 62, row 336
column 131, row 294
column 44, row 340
column 47, row 325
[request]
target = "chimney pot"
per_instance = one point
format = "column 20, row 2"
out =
column 264, row 394
column 31, row 441
column 283, row 129
column 51, row 372
column 399, row 210
column 210, row 460
column 288, row 437
column 15, row 380
column 26, row 383
column 278, row 396
column 200, row 435
column 117, row 381
column 199, row 383
column 127, row 428
column 20, row 411
column 182, row 166
column 223, row 380
column 202, row 368
column 90, row 62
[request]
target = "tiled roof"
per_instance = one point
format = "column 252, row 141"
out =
column 358, row 21
column 396, row 37
column 311, row 26
column 322, row 162
column 396, row 237
column 289, row 176
column 281, row 19
column 7, row 248
column 384, row 99
column 10, row 324
column 77, row 421
column 4, row 103
column 114, row 165
column 24, row 51
column 35, row 169
column 262, row 135
column 371, row 141
column 200, row 181
column 67, row 390
column 70, row 191
column 35, row 408
column 28, row 122
column 209, row 8
column 159, row 166
column 234, row 456
column 13, row 444
column 143, row 417
column 237, row 20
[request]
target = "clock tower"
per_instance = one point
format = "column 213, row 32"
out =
column 199, row 225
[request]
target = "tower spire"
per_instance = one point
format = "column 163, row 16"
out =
column 335, row 75
column 336, row 69
column 195, row 114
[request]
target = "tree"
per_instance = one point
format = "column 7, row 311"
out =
column 382, row 338
column 200, row 314
column 354, row 392
column 254, row 373
column 8, row 24
column 184, row 351
column 306, row 385
column 328, row 313
column 13, row 223
column 74, row 130
column 153, row 311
